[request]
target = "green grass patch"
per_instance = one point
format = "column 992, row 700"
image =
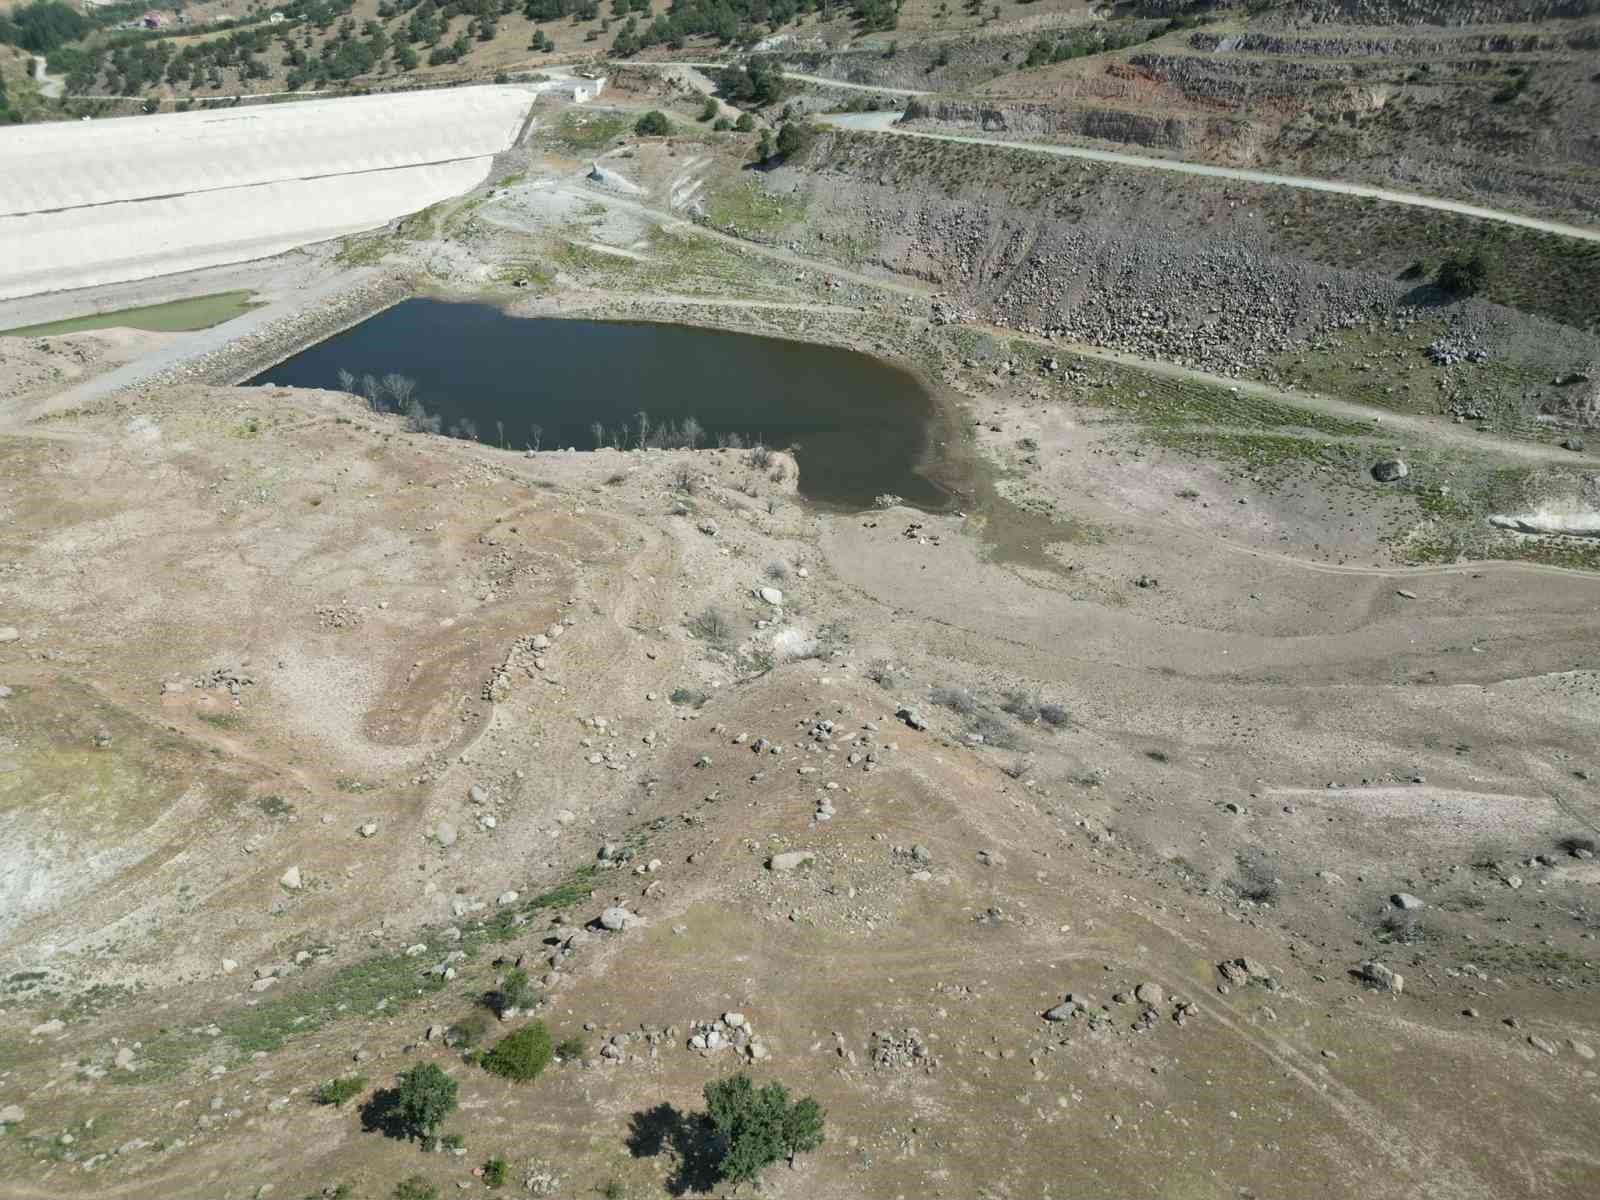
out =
column 223, row 720
column 592, row 130
column 746, row 205
column 176, row 316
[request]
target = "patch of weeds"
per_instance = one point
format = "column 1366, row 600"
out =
column 1055, row 716
column 415, row 1187
column 222, row 720
column 382, row 984
column 777, row 572
column 274, row 806
column 349, row 783
column 337, row 1092
column 746, row 205
column 453, row 1141
column 1017, row 767
column 1521, row 958
column 1400, row 928
column 571, row 1049
column 689, row 696
column 495, row 1173
column 364, row 251
column 616, row 477
column 757, row 661
column 591, row 130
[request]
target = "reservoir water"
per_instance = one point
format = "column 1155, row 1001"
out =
column 860, row 427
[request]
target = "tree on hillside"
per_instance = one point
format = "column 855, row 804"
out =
column 758, row 1126
column 1463, row 274
column 653, row 124
column 425, row 1097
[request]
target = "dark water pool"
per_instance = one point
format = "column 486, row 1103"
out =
column 862, row 427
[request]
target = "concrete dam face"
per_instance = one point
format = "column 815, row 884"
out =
column 94, row 202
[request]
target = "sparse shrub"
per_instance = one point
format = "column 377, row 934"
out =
column 1157, row 756
column 274, row 806
column 611, row 1190
column 415, row 1188
column 884, row 673
column 1054, row 715
column 453, row 1141
column 570, row 1049
column 777, row 572
column 495, row 1173
column 689, row 696
column 514, row 992
column 993, row 731
column 1022, row 705
column 713, row 627
column 759, row 456
column 616, row 477
column 722, row 124
column 425, row 1097
column 1017, row 767
column 957, row 700
column 685, row 479
column 335, row 1092
column 522, row 1055
column 1255, row 879
column 710, row 110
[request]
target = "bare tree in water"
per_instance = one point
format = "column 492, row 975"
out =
column 599, row 432
column 347, row 381
column 400, row 388
column 536, row 432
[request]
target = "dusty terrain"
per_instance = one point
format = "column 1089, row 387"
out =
column 312, row 726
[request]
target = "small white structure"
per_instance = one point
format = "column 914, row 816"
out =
column 586, row 88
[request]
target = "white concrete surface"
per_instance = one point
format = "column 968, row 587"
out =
column 87, row 203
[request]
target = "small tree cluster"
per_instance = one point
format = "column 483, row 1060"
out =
column 653, row 124
column 1463, row 274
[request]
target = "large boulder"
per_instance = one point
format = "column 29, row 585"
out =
column 1390, row 470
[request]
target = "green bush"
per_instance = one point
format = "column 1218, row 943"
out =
column 336, row 1091
column 415, row 1188
column 522, row 1055
column 710, row 110
column 759, row 1126
column 653, row 124
column 495, row 1173
column 571, row 1048
column 745, row 123
column 722, row 125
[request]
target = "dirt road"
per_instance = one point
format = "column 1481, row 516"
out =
column 884, row 122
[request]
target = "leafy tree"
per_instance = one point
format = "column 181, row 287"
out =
column 653, row 124
column 709, row 112
column 745, row 123
column 426, row 1096
column 758, row 1126
column 43, row 25
column 764, row 147
column 793, row 138
column 522, row 1055
column 1463, row 274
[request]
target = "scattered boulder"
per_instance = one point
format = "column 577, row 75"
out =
column 478, row 794
column 1151, row 994
column 445, row 834
column 370, row 829
column 9, row 633
column 1384, row 977
column 1390, row 470
column 53, row 1026
column 792, row 860
column 1062, row 1012
column 1573, row 443
column 911, row 716
column 1405, row 900
column 617, row 919
column 12, row 1114
column 771, row 595
column 291, row 879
